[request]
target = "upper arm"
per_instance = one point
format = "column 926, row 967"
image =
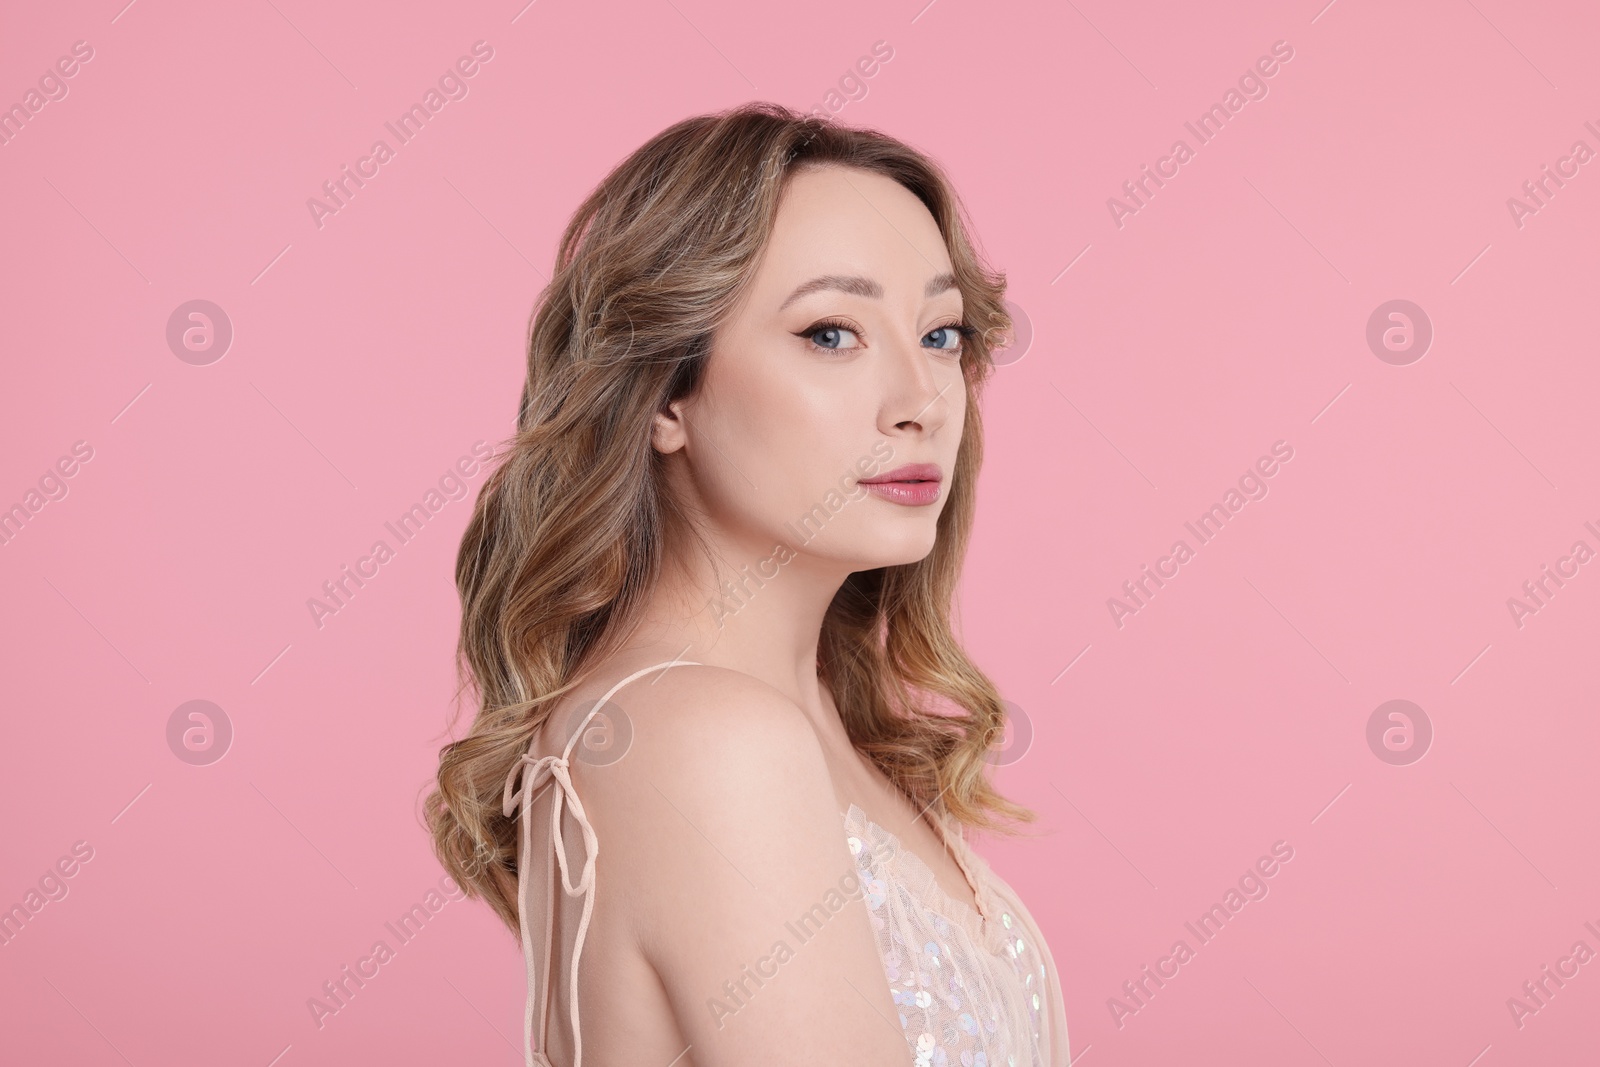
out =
column 723, row 824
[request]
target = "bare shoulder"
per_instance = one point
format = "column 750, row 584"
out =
column 722, row 780
column 693, row 731
column 718, row 822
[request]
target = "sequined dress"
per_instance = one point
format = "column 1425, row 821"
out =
column 974, row 989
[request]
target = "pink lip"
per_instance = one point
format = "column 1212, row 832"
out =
column 915, row 484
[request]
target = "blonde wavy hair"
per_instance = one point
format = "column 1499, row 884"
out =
column 569, row 530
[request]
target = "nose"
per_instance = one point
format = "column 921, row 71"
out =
column 914, row 397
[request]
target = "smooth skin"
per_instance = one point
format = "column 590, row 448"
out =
column 723, row 821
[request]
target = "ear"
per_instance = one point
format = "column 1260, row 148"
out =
column 668, row 429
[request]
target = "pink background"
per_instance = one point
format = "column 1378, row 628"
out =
column 1169, row 353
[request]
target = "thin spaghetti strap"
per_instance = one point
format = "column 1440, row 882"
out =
column 567, row 751
column 537, row 774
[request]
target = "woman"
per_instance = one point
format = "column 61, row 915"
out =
column 706, row 606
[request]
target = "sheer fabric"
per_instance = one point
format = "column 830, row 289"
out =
column 975, row 990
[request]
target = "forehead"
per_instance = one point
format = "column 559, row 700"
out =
column 835, row 219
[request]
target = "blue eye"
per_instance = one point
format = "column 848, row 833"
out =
column 949, row 338
column 830, row 336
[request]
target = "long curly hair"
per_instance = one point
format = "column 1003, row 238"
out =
column 568, row 533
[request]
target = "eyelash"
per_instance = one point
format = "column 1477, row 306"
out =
column 967, row 333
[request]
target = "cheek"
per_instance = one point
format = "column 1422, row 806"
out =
column 958, row 407
column 771, row 447
column 948, row 436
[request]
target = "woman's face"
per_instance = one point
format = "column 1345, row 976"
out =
column 832, row 402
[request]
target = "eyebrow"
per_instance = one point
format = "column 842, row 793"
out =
column 859, row 286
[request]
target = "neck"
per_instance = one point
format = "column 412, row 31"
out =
column 754, row 609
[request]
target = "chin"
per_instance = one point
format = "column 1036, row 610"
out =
column 898, row 549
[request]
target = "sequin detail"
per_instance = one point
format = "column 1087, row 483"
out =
column 963, row 985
